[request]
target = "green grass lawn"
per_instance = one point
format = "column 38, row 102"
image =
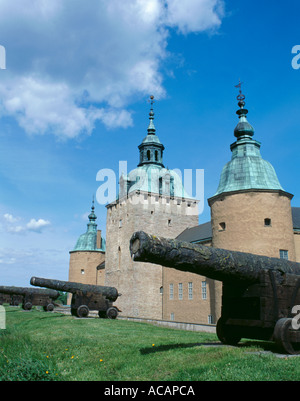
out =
column 37, row 345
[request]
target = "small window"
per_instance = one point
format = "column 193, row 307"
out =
column 169, row 223
column 82, row 271
column 120, row 223
column 156, row 155
column 210, row 319
column 190, row 288
column 172, row 316
column 284, row 254
column 171, row 289
column 180, row 293
column 222, row 226
column 267, row 222
column 148, row 154
column 203, row 290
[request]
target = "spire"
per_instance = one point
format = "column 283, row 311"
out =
column 243, row 128
column 151, row 128
column 92, row 216
column 151, row 149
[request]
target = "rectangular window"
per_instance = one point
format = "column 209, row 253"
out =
column 120, row 223
column 210, row 319
column 180, row 291
column 172, row 317
column 190, row 290
column 283, row 254
column 171, row 288
column 203, row 290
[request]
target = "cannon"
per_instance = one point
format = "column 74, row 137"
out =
column 85, row 297
column 28, row 297
column 260, row 295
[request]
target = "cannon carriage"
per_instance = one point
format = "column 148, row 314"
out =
column 85, row 297
column 259, row 296
column 28, row 297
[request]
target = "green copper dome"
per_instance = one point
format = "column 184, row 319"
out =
column 157, row 180
column 247, row 169
column 88, row 240
column 150, row 175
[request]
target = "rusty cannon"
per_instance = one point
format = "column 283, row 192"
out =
column 29, row 297
column 85, row 297
column 260, row 295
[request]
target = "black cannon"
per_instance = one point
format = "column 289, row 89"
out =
column 260, row 294
column 29, row 297
column 85, row 297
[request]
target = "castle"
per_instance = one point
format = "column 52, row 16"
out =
column 250, row 212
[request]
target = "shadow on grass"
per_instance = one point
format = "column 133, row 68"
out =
column 263, row 345
column 167, row 347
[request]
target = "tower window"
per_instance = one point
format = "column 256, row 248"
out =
column 169, row 223
column 267, row 222
column 222, row 226
column 190, row 290
column 82, row 271
column 171, row 289
column 148, row 154
column 180, row 293
column 203, row 290
column 156, row 155
column 284, row 254
column 120, row 223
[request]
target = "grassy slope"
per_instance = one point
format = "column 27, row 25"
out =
column 49, row 346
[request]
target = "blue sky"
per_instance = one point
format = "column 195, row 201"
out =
column 74, row 100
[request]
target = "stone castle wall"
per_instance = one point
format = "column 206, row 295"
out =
column 253, row 221
column 141, row 284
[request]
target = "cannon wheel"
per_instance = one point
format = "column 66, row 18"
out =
column 283, row 335
column 112, row 312
column 27, row 305
column 49, row 308
column 226, row 333
column 82, row 311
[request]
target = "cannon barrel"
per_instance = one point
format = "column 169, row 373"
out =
column 110, row 293
column 218, row 264
column 27, row 291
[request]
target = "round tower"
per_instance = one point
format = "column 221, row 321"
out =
column 250, row 211
column 87, row 259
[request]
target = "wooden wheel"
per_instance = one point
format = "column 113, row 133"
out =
column 112, row 313
column 82, row 311
column 49, row 308
column 286, row 337
column 226, row 334
column 27, row 305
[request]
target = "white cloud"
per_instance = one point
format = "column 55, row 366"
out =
column 194, row 15
column 33, row 225
column 72, row 63
column 37, row 225
column 10, row 218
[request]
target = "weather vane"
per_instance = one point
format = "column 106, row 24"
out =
column 151, row 100
column 240, row 97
